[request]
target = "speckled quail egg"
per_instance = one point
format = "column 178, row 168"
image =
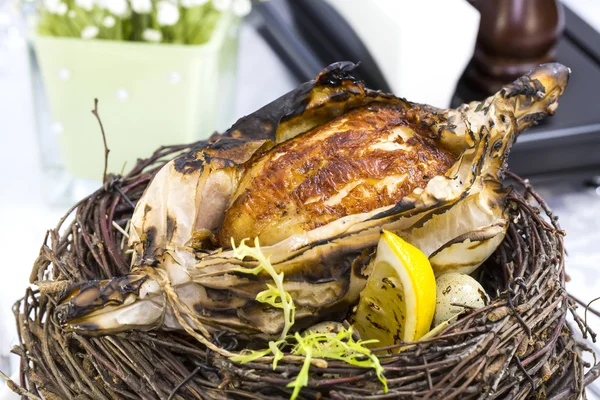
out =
column 456, row 293
column 325, row 327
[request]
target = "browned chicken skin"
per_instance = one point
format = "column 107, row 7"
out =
column 368, row 158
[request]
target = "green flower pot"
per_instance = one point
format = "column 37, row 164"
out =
column 149, row 95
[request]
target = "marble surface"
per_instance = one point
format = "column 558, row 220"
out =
column 578, row 208
column 25, row 215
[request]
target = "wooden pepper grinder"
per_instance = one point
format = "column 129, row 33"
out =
column 514, row 37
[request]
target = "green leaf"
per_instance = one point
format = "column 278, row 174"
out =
column 340, row 346
column 275, row 296
column 277, row 353
column 247, row 356
column 302, row 378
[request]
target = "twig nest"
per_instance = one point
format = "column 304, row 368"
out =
column 457, row 293
column 457, row 359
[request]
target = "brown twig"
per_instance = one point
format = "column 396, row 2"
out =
column 16, row 388
column 106, row 149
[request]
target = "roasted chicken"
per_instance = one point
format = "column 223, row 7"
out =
column 315, row 176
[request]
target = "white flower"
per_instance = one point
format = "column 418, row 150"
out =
column 89, row 32
column 52, row 5
column 167, row 13
column 87, row 5
column 109, row 21
column 117, row 7
column 141, row 6
column 56, row 7
column 62, row 9
column 221, row 5
column 152, row 35
column 241, row 8
column 72, row 14
column 192, row 3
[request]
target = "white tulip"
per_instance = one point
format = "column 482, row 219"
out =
column 117, row 7
column 152, row 35
column 167, row 13
column 141, row 6
column 192, row 3
column 62, row 9
column 52, row 5
column 241, row 8
column 109, row 21
column 89, row 32
column 87, row 5
column 221, row 5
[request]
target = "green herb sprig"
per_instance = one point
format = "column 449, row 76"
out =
column 339, row 345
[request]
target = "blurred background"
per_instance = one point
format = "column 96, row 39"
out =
column 168, row 72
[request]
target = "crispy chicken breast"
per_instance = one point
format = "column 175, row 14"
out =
column 365, row 159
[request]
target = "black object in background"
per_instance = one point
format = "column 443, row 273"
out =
column 315, row 36
column 333, row 39
column 291, row 49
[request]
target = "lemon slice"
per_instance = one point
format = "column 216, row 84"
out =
column 398, row 301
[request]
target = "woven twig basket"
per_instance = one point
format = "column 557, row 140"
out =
column 519, row 346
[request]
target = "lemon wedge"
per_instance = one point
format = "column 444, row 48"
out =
column 398, row 301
